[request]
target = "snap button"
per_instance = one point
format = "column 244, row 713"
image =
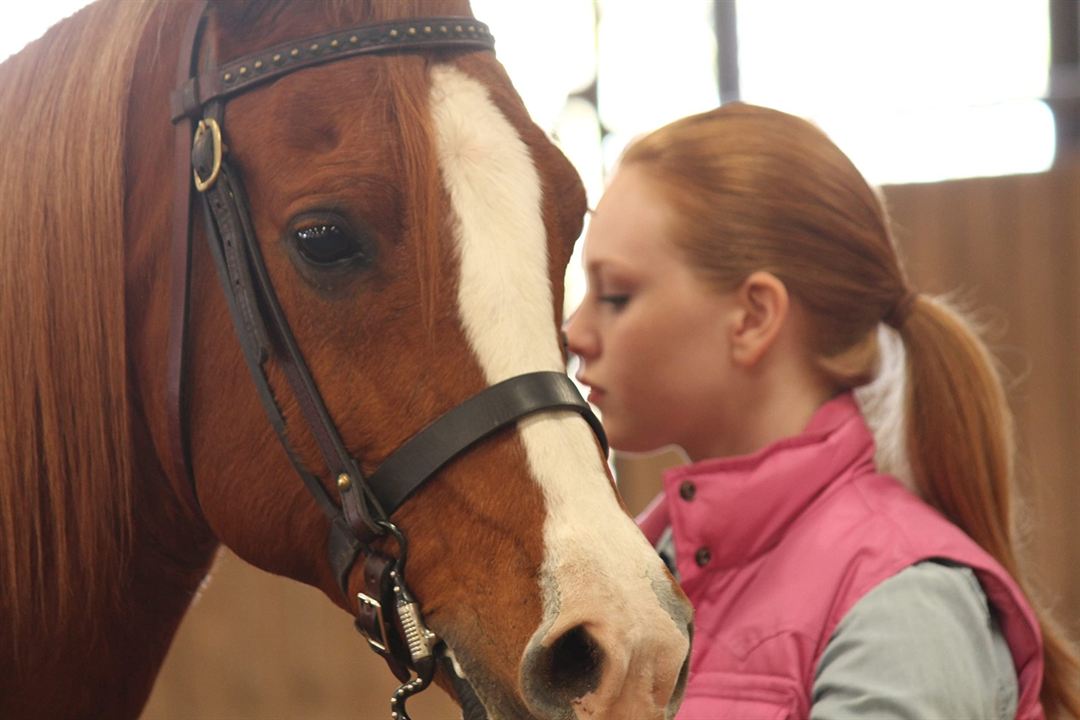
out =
column 687, row 490
column 702, row 556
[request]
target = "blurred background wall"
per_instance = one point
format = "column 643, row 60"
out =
column 966, row 112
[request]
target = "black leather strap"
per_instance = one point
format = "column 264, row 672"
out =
column 254, row 309
column 462, row 427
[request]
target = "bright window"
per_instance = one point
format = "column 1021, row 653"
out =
column 22, row 22
column 912, row 90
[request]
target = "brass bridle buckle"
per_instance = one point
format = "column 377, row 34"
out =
column 215, row 136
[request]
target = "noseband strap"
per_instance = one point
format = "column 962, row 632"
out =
column 473, row 420
column 389, row 617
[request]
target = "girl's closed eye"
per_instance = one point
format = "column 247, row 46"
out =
column 615, row 300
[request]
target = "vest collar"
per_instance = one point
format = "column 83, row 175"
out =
column 741, row 506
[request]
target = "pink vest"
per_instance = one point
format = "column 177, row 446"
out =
column 774, row 548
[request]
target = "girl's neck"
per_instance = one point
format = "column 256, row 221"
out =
column 774, row 408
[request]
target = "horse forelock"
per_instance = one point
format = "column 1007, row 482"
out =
column 65, row 492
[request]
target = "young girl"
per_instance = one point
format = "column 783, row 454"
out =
column 742, row 282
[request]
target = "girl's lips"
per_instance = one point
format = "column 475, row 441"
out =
column 595, row 393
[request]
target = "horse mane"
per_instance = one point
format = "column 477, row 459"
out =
column 65, row 488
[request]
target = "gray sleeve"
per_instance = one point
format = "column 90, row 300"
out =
column 921, row 645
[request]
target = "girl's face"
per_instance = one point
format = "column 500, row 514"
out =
column 652, row 336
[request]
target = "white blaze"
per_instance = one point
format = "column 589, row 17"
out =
column 594, row 556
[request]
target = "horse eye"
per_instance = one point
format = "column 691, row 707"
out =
column 327, row 244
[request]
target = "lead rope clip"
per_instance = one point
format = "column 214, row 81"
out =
column 420, row 642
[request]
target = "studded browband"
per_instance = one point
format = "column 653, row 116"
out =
column 237, row 76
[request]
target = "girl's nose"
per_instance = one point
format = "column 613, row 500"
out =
column 575, row 335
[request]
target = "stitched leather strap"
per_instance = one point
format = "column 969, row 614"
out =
column 254, row 308
column 238, row 76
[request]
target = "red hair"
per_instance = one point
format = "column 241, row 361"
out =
column 757, row 189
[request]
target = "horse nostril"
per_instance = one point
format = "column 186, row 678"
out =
column 570, row 668
column 573, row 664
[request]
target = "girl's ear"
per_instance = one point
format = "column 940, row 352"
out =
column 763, row 308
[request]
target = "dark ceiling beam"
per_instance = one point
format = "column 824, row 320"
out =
column 1063, row 88
column 727, row 49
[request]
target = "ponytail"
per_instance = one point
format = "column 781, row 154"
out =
column 959, row 435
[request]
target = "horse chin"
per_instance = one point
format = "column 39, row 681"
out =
column 500, row 701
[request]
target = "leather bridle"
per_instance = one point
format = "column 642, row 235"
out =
column 388, row 617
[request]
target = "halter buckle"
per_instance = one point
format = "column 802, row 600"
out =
column 379, row 644
column 198, row 150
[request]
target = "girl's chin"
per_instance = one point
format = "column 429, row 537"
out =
column 632, row 445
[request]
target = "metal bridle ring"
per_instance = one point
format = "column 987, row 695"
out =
column 215, row 133
column 403, row 544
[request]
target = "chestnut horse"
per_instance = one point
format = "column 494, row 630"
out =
column 415, row 226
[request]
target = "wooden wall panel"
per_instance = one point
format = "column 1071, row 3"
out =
column 1016, row 260
column 256, row 646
